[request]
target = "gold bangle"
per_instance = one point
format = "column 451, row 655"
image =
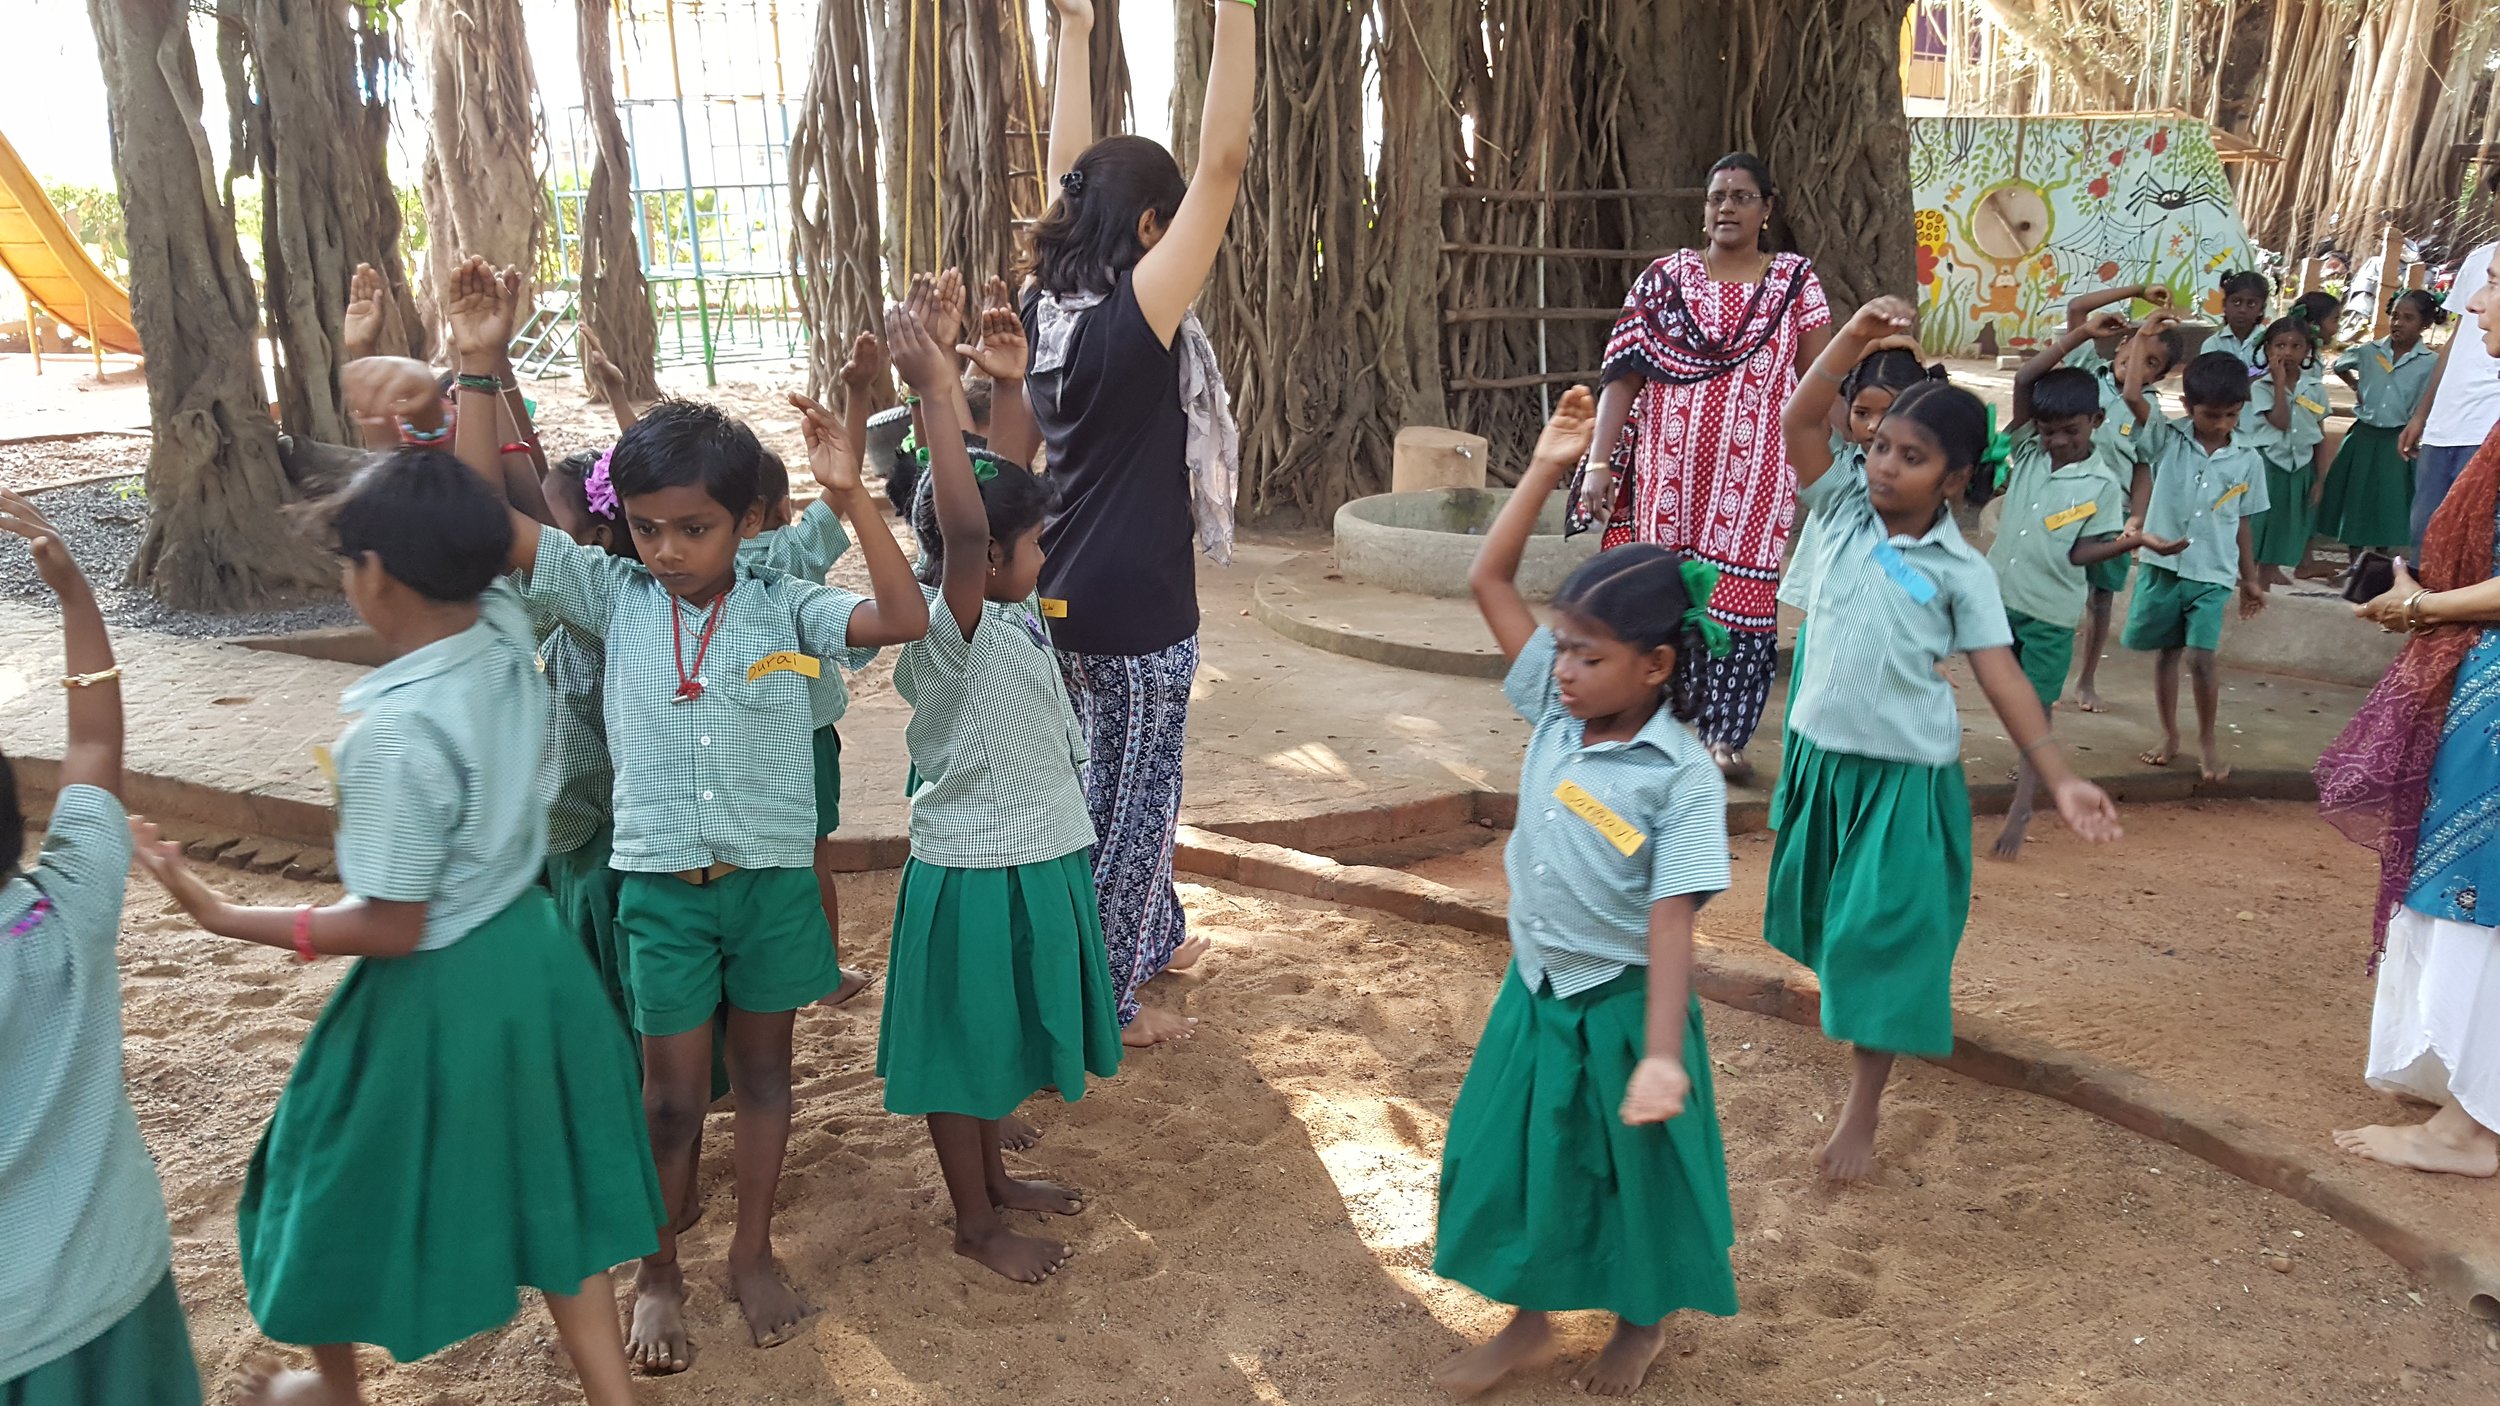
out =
column 2413, row 610
column 91, row 680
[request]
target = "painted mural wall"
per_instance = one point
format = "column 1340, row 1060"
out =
column 2018, row 214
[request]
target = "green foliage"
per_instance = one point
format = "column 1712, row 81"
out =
column 94, row 214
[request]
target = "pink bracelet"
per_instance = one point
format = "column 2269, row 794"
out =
column 303, row 935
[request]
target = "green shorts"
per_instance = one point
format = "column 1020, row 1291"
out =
column 2045, row 651
column 828, row 744
column 2172, row 612
column 755, row 938
column 2110, row 575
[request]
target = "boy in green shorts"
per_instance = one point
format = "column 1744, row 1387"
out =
column 2115, row 441
column 2204, row 489
column 2064, row 514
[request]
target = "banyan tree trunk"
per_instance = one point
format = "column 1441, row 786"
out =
column 978, row 224
column 482, row 192
column 616, row 301
column 833, row 192
column 909, row 92
column 215, row 539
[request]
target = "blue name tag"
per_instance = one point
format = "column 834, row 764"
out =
column 1904, row 575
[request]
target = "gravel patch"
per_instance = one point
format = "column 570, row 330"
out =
column 102, row 523
column 28, row 465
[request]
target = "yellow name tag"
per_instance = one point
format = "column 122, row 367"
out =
column 2077, row 513
column 1618, row 831
column 329, row 764
column 2126, row 430
column 2386, row 365
column 786, row 662
column 1054, row 609
column 2227, row 497
column 2309, row 405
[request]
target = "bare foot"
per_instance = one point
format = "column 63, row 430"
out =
column 773, row 1309
column 656, row 1343
column 2010, row 839
column 2088, row 699
column 265, row 1385
column 1188, row 954
column 1018, row 1134
column 2162, row 755
column 1732, row 765
column 2420, row 1148
column 854, row 981
column 1153, row 1027
column 2213, row 767
column 1526, row 1341
column 1027, row 1259
column 1849, row 1155
column 1624, row 1363
column 1045, row 1197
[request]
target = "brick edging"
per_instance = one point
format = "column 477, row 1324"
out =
column 1983, row 1049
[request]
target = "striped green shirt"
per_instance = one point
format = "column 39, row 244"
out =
column 807, row 549
column 2048, row 508
column 726, row 776
column 577, row 735
column 994, row 742
column 1605, row 831
column 2200, row 497
column 444, row 774
column 2288, row 450
column 2391, row 385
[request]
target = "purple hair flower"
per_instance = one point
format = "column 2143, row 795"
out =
column 596, row 488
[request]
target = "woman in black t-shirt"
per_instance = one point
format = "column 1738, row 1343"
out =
column 1142, row 457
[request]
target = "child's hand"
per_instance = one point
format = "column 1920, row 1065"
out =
column 1001, row 353
column 832, row 460
column 2158, row 294
column 1898, row 341
column 1074, row 11
column 384, row 391
column 52, row 558
column 916, row 353
column 867, row 363
column 2108, row 322
column 362, row 324
column 1565, row 440
column 479, row 310
column 2087, row 810
column 1656, row 1092
column 2252, row 600
column 1882, row 317
column 944, row 316
column 162, row 859
column 2166, row 546
column 2160, row 320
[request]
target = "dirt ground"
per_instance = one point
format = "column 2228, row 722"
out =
column 1261, row 1222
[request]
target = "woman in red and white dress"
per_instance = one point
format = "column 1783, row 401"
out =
column 1688, row 451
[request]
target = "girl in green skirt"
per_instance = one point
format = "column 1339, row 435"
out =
column 2285, row 422
column 1871, row 868
column 2369, row 491
column 1583, row 1168
column 997, row 984
column 464, row 1119
column 91, row 1318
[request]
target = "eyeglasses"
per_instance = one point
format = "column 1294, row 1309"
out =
column 1741, row 199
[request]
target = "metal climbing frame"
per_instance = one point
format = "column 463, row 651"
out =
column 710, row 184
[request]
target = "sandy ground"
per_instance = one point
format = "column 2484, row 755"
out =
column 1261, row 1222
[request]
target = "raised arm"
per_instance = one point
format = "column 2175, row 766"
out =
column 1072, row 105
column 998, row 351
column 1805, row 420
column 2053, row 356
column 1494, row 579
column 2080, row 307
column 1175, row 271
column 963, row 521
column 2283, row 378
column 2131, row 381
column 94, row 754
column 480, row 317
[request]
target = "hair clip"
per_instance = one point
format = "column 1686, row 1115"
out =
column 598, row 490
column 1073, row 182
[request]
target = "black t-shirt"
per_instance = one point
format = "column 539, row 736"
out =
column 1117, row 577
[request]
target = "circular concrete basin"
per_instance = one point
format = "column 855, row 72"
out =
column 1423, row 542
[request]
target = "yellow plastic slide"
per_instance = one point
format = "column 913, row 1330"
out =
column 46, row 259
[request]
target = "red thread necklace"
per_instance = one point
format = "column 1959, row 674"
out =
column 690, row 683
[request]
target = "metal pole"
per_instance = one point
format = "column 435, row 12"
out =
column 694, row 225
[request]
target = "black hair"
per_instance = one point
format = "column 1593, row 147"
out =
column 2248, row 281
column 436, row 527
column 2319, row 310
column 2173, row 350
column 2066, row 393
column 1892, row 369
column 678, row 443
column 2432, row 313
column 1017, row 498
column 568, row 478
column 1760, row 170
column 978, row 390
column 2216, row 378
column 772, row 478
column 1088, row 236
column 1636, row 591
column 1952, row 416
column 2291, row 325
column 12, row 820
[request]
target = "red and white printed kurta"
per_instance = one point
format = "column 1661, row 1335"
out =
column 1708, row 473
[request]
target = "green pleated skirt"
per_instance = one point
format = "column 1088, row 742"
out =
column 2282, row 531
column 145, row 1359
column 1548, row 1201
column 1870, row 886
column 2369, row 492
column 997, row 985
column 461, row 1122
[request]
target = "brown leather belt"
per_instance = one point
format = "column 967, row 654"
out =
column 709, row 874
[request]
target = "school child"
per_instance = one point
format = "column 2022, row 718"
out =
column 2123, row 458
column 2205, row 488
column 2285, row 423
column 2368, row 502
column 2246, row 294
column 1583, row 1167
column 997, row 983
column 1871, row 868
column 706, row 705
column 462, row 1120
column 2064, row 512
column 93, row 1319
column 2102, row 347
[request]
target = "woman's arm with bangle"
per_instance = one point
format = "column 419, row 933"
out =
column 2477, row 604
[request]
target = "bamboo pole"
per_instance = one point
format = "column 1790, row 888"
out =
column 2222, row 60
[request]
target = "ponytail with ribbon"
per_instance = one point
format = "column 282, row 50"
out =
column 1701, row 578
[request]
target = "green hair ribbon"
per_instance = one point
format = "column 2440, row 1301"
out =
column 1998, row 455
column 1700, row 579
